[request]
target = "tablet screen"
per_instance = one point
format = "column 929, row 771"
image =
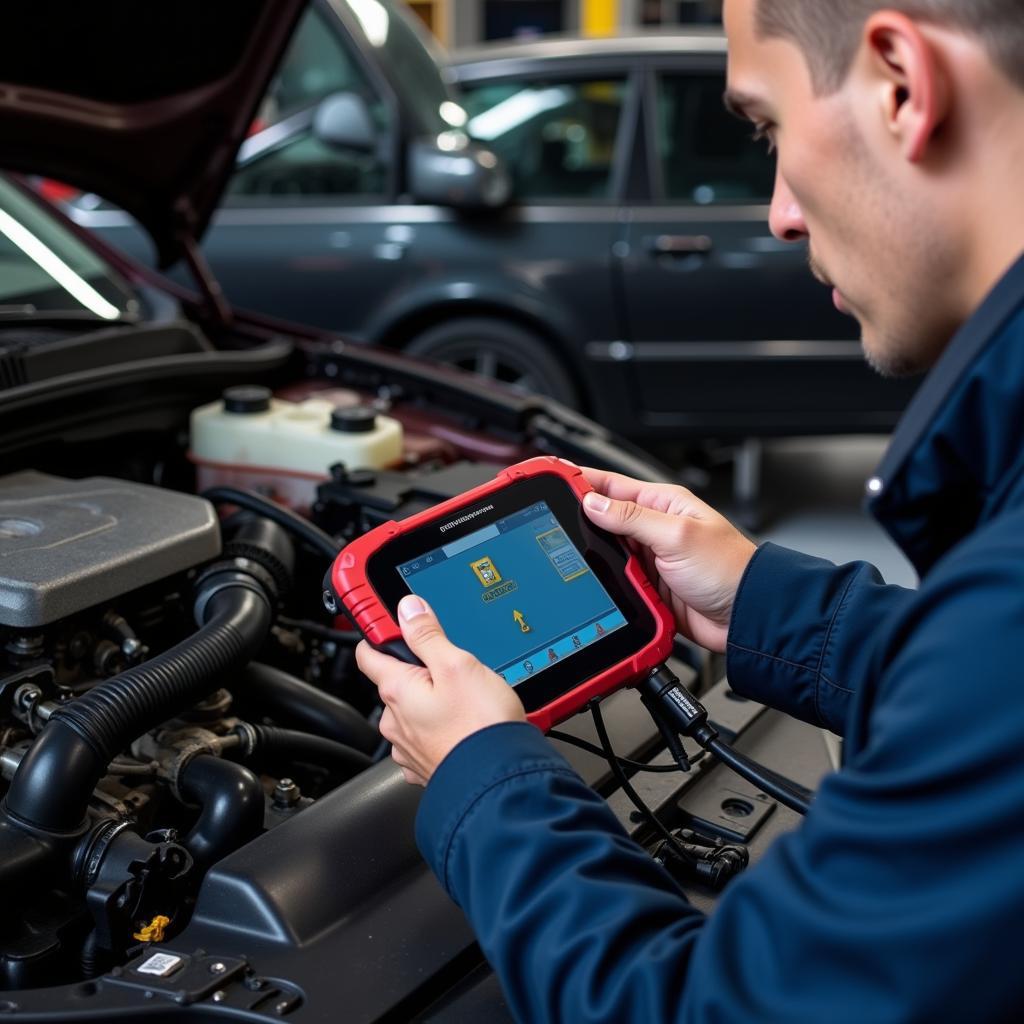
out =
column 517, row 593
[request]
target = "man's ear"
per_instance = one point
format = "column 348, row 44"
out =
column 911, row 83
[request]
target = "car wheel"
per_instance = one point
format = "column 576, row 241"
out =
column 500, row 351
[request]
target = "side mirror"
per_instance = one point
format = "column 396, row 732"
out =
column 466, row 175
column 343, row 120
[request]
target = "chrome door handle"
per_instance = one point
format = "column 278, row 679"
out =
column 680, row 245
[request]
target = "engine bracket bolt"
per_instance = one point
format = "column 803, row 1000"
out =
column 286, row 793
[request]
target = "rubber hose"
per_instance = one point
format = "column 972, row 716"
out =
column 285, row 746
column 316, row 538
column 297, row 703
column 24, row 861
column 231, row 799
column 90, row 956
column 55, row 779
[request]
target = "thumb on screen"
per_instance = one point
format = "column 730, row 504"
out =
column 422, row 632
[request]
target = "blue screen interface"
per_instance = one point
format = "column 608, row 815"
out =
column 517, row 594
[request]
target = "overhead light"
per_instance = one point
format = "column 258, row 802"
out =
column 453, row 114
column 373, row 16
column 452, row 142
column 516, row 110
column 49, row 262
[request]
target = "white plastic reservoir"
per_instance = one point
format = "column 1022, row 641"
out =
column 249, row 438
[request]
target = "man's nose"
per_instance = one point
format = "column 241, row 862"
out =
column 785, row 218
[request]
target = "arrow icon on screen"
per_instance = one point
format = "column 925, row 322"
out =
column 521, row 621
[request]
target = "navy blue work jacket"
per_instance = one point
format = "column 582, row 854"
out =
column 901, row 896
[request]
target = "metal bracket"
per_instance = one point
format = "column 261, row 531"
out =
column 733, row 809
column 225, row 980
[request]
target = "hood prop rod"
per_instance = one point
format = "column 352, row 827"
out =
column 213, row 295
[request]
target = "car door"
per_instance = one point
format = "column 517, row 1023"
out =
column 728, row 331
column 561, row 132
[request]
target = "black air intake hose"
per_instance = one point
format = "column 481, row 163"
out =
column 51, row 789
column 297, row 703
column 231, row 799
column 268, row 745
column 24, row 861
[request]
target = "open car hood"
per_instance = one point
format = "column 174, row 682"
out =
column 145, row 104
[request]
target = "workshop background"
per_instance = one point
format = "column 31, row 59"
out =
column 228, row 315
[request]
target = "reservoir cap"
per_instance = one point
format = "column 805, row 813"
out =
column 354, row 419
column 247, row 399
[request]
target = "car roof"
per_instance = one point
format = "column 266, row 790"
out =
column 559, row 48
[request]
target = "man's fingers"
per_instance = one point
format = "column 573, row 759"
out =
column 425, row 637
column 413, row 778
column 657, row 530
column 388, row 674
column 663, row 497
column 388, row 725
column 615, row 485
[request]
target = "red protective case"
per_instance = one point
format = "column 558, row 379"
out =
column 351, row 586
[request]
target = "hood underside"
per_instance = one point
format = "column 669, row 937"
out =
column 145, row 104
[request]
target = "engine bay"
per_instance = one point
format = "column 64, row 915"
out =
column 172, row 691
column 193, row 694
column 198, row 816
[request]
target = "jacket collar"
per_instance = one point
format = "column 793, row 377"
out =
column 959, row 446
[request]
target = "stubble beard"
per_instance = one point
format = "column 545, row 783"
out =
column 887, row 354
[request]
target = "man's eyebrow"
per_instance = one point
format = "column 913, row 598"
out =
column 738, row 103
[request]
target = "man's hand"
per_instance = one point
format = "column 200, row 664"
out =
column 428, row 711
column 693, row 555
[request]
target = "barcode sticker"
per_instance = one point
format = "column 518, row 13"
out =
column 160, row 964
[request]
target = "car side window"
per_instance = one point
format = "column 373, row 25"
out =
column 289, row 153
column 557, row 137
column 707, row 156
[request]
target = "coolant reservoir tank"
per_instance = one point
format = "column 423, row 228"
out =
column 249, row 438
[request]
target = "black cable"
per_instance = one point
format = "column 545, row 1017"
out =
column 802, row 792
column 753, row 772
column 341, row 636
column 634, row 796
column 637, row 766
column 316, row 538
column 676, row 708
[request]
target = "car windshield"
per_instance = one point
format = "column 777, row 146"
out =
column 406, row 51
column 45, row 268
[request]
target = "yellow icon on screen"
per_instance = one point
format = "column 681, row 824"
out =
column 486, row 571
column 521, row 622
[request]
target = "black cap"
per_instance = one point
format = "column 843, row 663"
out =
column 353, row 419
column 247, row 398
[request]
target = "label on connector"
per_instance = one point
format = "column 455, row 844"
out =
column 683, row 701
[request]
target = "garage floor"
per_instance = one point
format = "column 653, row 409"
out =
column 812, row 489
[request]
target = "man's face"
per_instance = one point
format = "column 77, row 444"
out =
column 841, row 187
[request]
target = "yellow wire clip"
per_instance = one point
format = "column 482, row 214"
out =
column 154, row 931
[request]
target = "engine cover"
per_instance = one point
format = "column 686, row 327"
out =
column 66, row 545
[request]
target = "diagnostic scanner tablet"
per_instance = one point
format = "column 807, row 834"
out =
column 518, row 576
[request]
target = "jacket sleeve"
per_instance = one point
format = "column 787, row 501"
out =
column 802, row 632
column 898, row 899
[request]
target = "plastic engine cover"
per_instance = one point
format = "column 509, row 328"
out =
column 66, row 545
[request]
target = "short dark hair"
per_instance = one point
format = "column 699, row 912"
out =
column 828, row 31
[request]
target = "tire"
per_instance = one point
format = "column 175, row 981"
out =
column 502, row 352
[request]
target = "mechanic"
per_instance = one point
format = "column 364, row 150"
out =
column 899, row 129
